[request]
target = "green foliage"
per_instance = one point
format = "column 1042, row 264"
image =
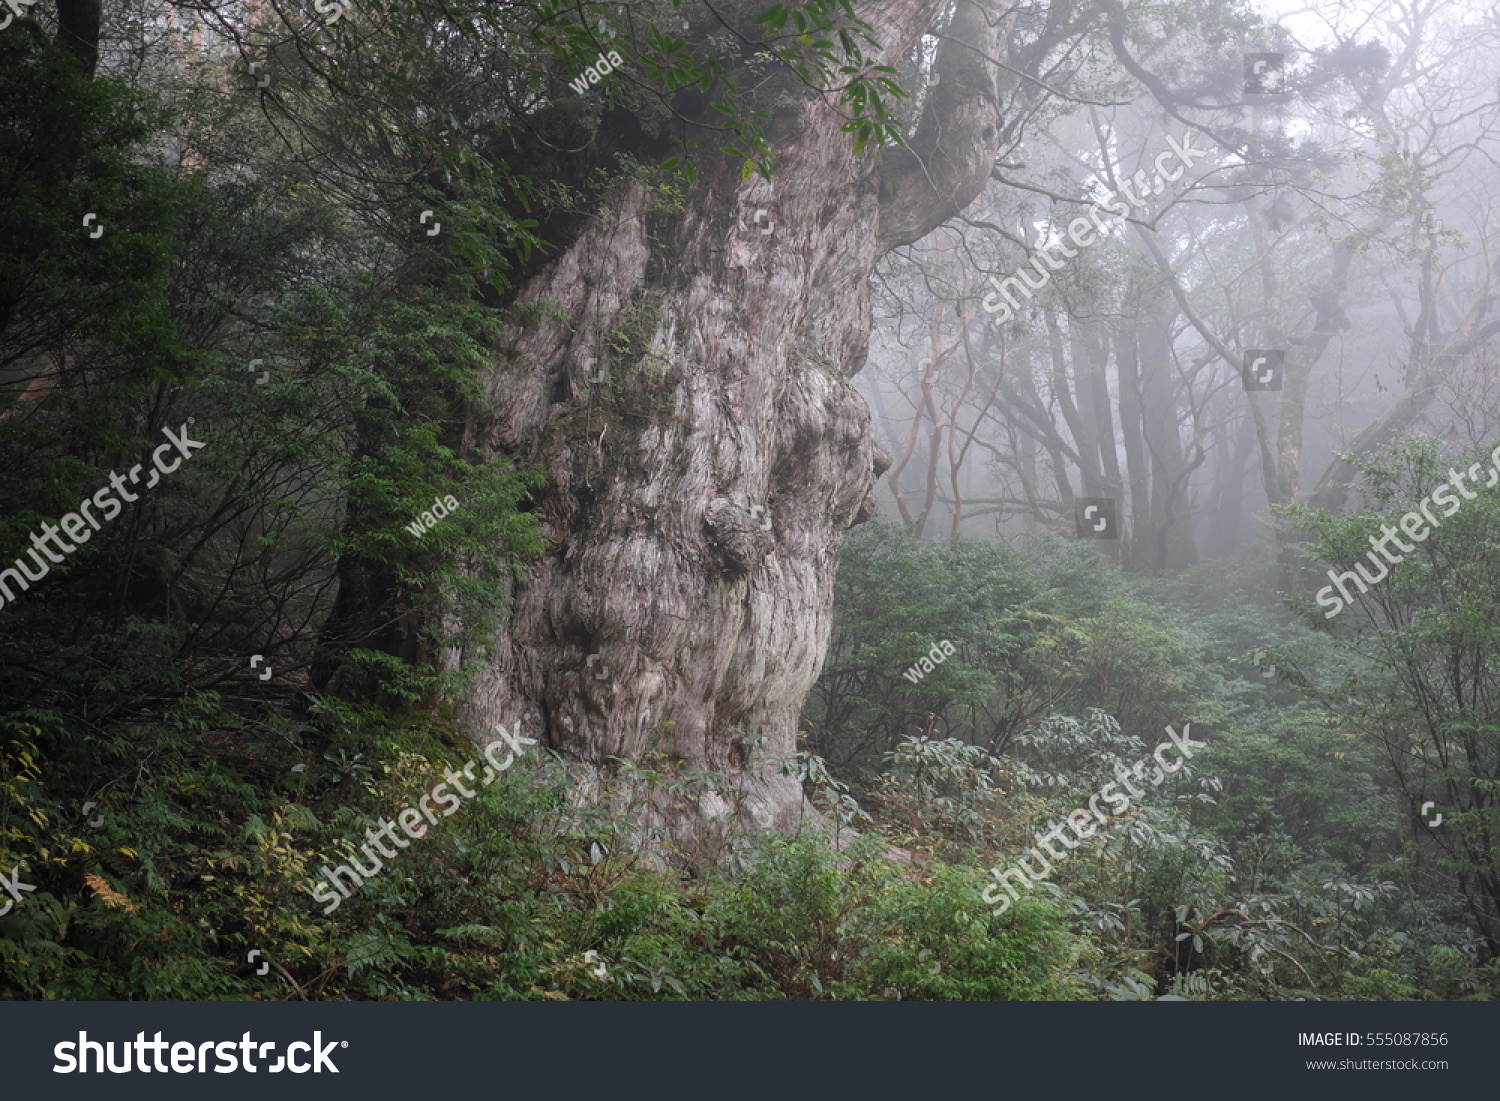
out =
column 1416, row 680
column 70, row 146
column 813, row 923
column 1268, row 868
column 941, row 788
column 895, row 599
column 502, row 900
column 938, row 947
column 1035, row 635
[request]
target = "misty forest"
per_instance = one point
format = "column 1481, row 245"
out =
column 721, row 500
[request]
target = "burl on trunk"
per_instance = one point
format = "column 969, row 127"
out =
column 691, row 403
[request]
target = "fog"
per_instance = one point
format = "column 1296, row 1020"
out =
column 1345, row 222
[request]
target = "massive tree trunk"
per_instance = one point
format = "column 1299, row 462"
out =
column 691, row 401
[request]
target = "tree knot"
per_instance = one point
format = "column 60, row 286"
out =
column 738, row 537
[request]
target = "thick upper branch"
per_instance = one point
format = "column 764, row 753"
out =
column 956, row 140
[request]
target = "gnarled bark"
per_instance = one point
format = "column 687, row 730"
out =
column 692, row 405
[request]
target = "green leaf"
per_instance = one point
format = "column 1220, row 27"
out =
column 773, row 17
